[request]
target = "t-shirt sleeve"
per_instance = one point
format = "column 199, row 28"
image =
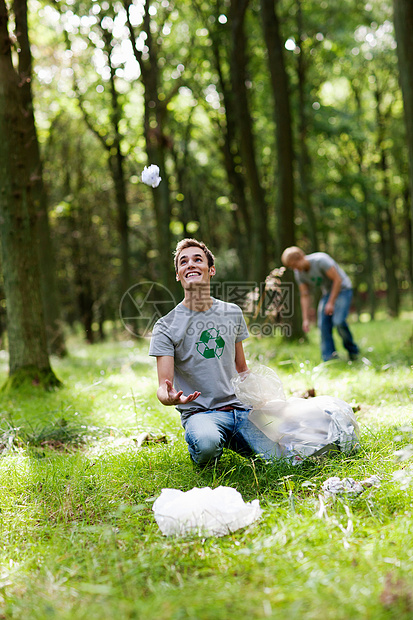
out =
column 242, row 329
column 161, row 343
column 325, row 262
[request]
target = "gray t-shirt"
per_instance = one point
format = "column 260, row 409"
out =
column 203, row 347
column 320, row 262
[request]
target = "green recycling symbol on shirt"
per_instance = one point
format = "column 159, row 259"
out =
column 317, row 280
column 210, row 343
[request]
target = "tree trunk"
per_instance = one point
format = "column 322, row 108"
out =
column 238, row 65
column 285, row 154
column 371, row 294
column 81, row 246
column 384, row 217
column 112, row 143
column 408, row 226
column 403, row 25
column 116, row 163
column 156, row 143
column 50, row 299
column 303, row 156
column 29, row 359
column 282, row 113
column 156, row 146
column 367, row 200
column 242, row 215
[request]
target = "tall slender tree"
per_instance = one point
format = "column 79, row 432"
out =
column 285, row 151
column 112, row 140
column 29, row 358
column 385, row 220
column 156, row 140
column 230, row 153
column 283, row 120
column 403, row 24
column 304, row 162
column 50, row 298
column 245, row 135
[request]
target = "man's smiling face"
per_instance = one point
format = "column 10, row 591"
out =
column 193, row 267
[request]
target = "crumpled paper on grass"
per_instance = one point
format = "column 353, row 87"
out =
column 298, row 427
column 348, row 486
column 203, row 511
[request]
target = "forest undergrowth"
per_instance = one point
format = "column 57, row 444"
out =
column 81, row 466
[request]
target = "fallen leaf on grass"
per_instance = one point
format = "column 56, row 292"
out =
column 145, row 438
column 310, row 393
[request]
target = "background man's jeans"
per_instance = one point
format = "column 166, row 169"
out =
column 208, row 433
column 326, row 324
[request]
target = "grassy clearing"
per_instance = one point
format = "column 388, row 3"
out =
column 78, row 537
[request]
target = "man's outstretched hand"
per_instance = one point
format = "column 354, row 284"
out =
column 169, row 396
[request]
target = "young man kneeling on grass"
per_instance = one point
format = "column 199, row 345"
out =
column 198, row 347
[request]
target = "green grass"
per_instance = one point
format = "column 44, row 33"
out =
column 78, row 536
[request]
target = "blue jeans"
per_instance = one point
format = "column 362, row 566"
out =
column 208, row 433
column 338, row 320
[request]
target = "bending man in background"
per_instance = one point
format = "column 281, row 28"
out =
column 320, row 270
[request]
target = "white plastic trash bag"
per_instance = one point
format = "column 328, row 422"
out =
column 203, row 511
column 298, row 427
column 259, row 386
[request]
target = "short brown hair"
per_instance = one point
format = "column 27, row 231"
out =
column 292, row 252
column 191, row 243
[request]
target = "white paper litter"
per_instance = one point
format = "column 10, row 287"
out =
column 203, row 511
column 150, row 175
column 348, row 486
column 299, row 427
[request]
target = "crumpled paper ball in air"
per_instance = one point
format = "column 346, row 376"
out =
column 150, row 175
